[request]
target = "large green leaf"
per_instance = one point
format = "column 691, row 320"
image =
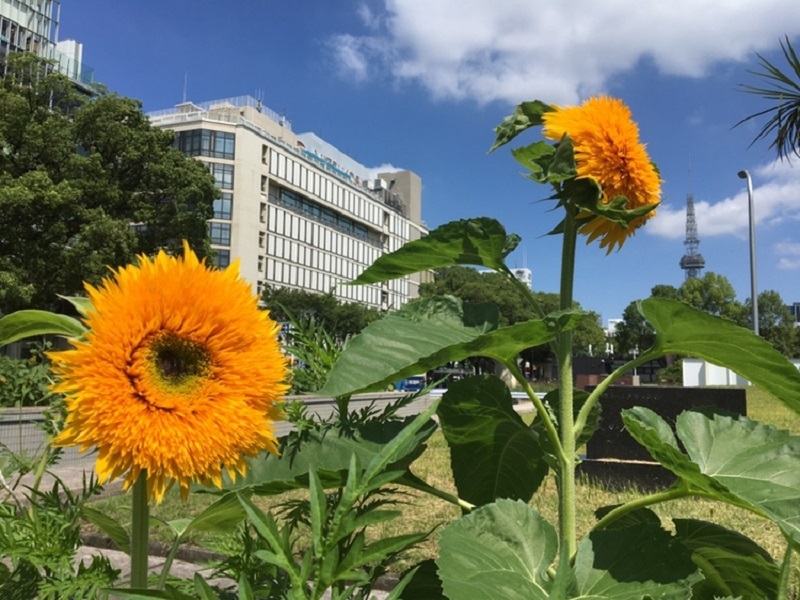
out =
column 481, row 242
column 681, row 329
column 631, row 563
column 29, row 323
column 733, row 565
column 329, row 454
column 501, row 550
column 223, row 516
column 493, row 453
column 732, row 458
column 426, row 334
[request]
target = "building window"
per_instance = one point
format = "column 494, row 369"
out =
column 223, row 207
column 220, row 233
column 223, row 175
column 222, row 258
column 204, row 142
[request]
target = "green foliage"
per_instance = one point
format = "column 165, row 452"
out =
column 74, row 175
column 24, row 382
column 337, row 318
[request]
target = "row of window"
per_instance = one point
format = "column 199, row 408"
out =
column 288, row 274
column 301, row 254
column 221, row 257
column 316, row 184
column 322, row 214
column 206, row 142
column 313, row 234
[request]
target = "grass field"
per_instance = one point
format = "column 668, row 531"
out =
column 425, row 513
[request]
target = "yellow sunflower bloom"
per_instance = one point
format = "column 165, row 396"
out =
column 608, row 150
column 178, row 375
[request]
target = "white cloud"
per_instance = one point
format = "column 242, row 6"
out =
column 789, row 253
column 776, row 190
column 384, row 168
column 514, row 50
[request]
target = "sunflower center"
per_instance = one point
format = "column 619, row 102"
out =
column 179, row 363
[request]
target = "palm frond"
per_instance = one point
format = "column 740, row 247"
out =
column 783, row 124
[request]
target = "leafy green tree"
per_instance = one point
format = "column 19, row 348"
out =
column 783, row 91
column 775, row 321
column 713, row 294
column 337, row 318
column 85, row 183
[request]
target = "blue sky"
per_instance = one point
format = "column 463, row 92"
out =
column 420, row 86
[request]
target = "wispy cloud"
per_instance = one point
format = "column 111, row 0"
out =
column 789, row 254
column 562, row 51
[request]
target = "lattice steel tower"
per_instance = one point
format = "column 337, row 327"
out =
column 692, row 262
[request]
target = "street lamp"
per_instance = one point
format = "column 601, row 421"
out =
column 753, row 286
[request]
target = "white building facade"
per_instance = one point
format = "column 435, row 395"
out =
column 294, row 210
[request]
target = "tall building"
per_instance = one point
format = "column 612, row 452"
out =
column 295, row 210
column 32, row 26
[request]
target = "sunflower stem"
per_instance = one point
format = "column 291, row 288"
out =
column 566, row 474
column 140, row 531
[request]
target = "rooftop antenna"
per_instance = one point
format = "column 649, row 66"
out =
column 185, row 85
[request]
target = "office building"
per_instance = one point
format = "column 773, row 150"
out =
column 32, row 26
column 294, row 210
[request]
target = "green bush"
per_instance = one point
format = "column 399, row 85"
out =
column 24, row 382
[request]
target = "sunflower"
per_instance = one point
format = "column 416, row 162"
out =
column 607, row 150
column 178, row 376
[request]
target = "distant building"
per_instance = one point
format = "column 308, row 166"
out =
column 296, row 211
column 795, row 310
column 611, row 330
column 32, row 26
column 524, row 275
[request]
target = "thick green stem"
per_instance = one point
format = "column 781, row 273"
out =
column 140, row 530
column 566, row 475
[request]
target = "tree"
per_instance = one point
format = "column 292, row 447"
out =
column 713, row 294
column 85, row 183
column 775, row 322
column 337, row 318
column 783, row 125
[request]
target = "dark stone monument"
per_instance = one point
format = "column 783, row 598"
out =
column 616, row 459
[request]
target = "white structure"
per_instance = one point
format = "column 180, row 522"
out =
column 294, row 210
column 32, row 26
column 524, row 275
column 699, row 372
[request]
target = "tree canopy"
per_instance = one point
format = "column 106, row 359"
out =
column 473, row 286
column 337, row 318
column 85, row 183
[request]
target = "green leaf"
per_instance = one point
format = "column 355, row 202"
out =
column 424, row 583
column 731, row 458
column 493, row 453
column 537, row 158
column 481, row 242
column 733, row 565
column 329, row 455
column 552, row 402
column 223, row 516
column 428, row 333
column 633, row 518
column 501, row 550
column 81, row 303
column 681, row 329
column 757, row 463
column 30, row 323
column 526, row 115
column 205, row 591
column 109, row 526
column 632, row 563
column 563, row 166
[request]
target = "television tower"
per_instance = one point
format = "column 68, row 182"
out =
column 692, row 262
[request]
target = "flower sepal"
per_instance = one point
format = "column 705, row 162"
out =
column 526, row 115
column 548, row 163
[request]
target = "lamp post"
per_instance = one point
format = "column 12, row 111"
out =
column 753, row 286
